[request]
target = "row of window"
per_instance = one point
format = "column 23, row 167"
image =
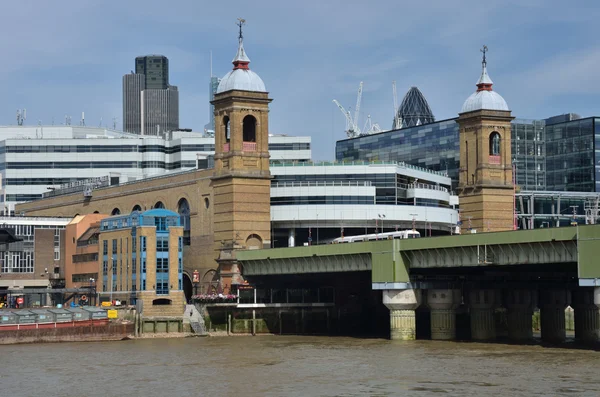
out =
column 303, row 200
column 135, row 148
column 84, row 277
column 96, row 164
column 85, row 258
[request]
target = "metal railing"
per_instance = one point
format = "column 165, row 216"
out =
column 424, row 186
column 249, row 146
column 401, row 164
column 322, row 183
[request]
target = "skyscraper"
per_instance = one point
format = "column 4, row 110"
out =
column 212, row 90
column 150, row 103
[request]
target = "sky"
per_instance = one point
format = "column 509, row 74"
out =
column 67, row 57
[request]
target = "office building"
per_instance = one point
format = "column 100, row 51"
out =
column 141, row 258
column 39, row 160
column 150, row 103
column 155, row 69
column 413, row 111
column 36, row 260
column 549, row 154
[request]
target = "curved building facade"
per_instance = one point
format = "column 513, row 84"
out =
column 414, row 110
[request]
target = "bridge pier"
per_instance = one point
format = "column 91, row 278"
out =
column 402, row 305
column 552, row 314
column 587, row 315
column 482, row 304
column 520, row 304
column 443, row 304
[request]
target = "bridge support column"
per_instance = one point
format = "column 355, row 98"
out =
column 587, row 316
column 483, row 324
column 520, row 304
column 292, row 237
column 443, row 304
column 402, row 305
column 552, row 314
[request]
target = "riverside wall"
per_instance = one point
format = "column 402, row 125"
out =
column 107, row 332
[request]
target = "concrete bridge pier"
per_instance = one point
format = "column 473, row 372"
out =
column 520, row 304
column 483, row 323
column 402, row 305
column 552, row 304
column 587, row 315
column 443, row 304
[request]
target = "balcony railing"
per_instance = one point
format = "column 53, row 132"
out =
column 226, row 147
column 249, row 146
column 494, row 159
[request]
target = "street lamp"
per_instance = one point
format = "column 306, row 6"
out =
column 382, row 217
column 93, row 286
column 195, row 281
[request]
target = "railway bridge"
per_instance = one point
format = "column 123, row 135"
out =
column 517, row 271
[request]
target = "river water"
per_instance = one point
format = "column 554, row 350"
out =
column 295, row 366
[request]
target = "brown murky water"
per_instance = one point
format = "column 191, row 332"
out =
column 295, row 366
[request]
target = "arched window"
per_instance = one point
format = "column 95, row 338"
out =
column 494, row 144
column 183, row 209
column 115, row 211
column 136, row 207
column 227, row 125
column 249, row 129
column 159, row 204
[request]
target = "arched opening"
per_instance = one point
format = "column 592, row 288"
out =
column 210, row 282
column 115, row 211
column 188, row 287
column 161, row 302
column 159, row 204
column 227, row 125
column 494, row 144
column 254, row 242
column 136, row 207
column 96, row 212
column 249, row 129
column 183, row 209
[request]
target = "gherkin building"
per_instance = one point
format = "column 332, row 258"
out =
column 413, row 111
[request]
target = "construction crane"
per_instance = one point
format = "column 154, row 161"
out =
column 357, row 108
column 352, row 129
column 397, row 122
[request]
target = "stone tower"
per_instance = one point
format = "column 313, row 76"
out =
column 241, row 180
column 486, row 189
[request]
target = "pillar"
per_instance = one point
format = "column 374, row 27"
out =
column 482, row 303
column 552, row 304
column 292, row 237
column 587, row 316
column 402, row 305
column 443, row 304
column 520, row 304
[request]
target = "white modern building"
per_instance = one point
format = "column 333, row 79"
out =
column 318, row 202
column 36, row 160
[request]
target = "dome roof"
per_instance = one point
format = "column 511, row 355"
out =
column 484, row 97
column 241, row 77
column 488, row 100
column 414, row 110
column 243, row 80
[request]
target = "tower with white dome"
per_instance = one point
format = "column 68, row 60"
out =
column 241, row 180
column 486, row 189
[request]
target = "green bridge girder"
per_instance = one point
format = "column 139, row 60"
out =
column 390, row 261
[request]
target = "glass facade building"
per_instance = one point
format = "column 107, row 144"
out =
column 414, row 110
column 432, row 146
column 558, row 153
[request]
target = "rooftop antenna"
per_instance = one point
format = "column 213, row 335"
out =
column 396, row 117
column 211, row 72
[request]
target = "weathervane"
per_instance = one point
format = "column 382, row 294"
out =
column 484, row 50
column 240, row 23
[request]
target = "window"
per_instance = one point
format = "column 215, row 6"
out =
column 227, row 128
column 162, row 287
column 249, row 129
column 133, row 244
column 105, row 267
column 161, row 223
column 105, row 247
column 143, row 244
column 494, row 144
column 162, row 265
column 143, row 265
column 114, row 246
column 133, row 265
column 162, row 244
column 143, row 285
column 180, row 244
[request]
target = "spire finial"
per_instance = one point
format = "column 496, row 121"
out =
column 484, row 50
column 240, row 23
column 241, row 60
